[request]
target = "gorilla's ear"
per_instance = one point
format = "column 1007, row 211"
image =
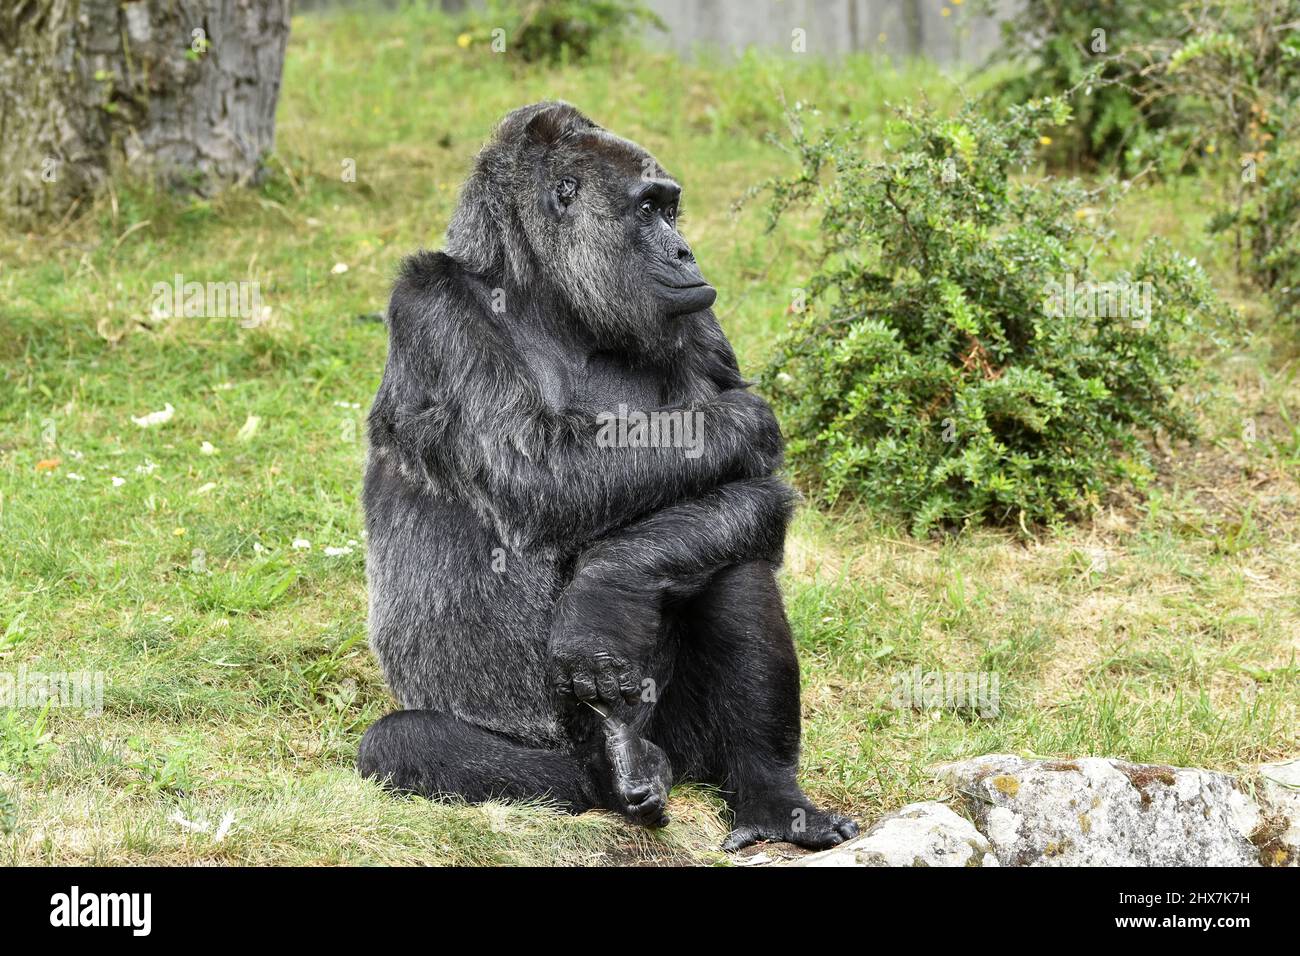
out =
column 559, row 196
column 554, row 123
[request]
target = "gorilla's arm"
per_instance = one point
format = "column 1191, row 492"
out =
column 606, row 622
column 460, row 408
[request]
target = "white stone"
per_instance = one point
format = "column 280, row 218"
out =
column 920, row 834
column 1004, row 825
column 1092, row 811
column 1102, row 812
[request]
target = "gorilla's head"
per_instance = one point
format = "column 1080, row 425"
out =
column 557, row 204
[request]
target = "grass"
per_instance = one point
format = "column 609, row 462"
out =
column 236, row 674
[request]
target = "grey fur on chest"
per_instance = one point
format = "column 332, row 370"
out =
column 595, row 384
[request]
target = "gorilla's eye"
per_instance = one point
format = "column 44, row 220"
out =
column 647, row 207
column 566, row 189
column 671, row 215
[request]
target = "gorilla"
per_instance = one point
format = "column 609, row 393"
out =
column 572, row 513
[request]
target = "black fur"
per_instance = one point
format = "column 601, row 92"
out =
column 563, row 619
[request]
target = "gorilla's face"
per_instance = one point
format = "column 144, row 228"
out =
column 609, row 221
column 674, row 278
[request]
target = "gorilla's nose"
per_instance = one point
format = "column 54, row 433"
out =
column 684, row 254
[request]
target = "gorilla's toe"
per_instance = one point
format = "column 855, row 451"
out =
column 824, row 831
column 741, row 837
column 804, row 826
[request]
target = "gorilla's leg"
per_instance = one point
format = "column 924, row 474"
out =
column 610, row 643
column 730, row 713
column 425, row 752
column 688, row 598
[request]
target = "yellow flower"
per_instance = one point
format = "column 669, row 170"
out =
column 464, row 40
column 1044, row 141
column 179, row 532
column 945, row 12
column 1210, row 148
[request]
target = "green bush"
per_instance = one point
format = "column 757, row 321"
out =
column 1167, row 79
column 1101, row 48
column 1245, row 65
column 931, row 371
column 556, row 31
column 1173, row 84
column 1270, row 217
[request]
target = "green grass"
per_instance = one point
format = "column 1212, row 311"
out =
column 236, row 673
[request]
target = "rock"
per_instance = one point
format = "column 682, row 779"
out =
column 920, row 834
column 1092, row 811
column 1102, row 812
column 1279, row 796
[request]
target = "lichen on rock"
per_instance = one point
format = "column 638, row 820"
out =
column 1103, row 812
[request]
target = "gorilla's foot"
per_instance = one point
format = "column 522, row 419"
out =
column 640, row 775
column 788, row 820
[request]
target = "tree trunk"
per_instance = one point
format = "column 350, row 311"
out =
column 181, row 89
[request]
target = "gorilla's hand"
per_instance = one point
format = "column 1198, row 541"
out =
column 600, row 639
column 585, row 672
column 756, row 432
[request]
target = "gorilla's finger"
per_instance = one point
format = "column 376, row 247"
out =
column 607, row 684
column 584, row 687
column 563, row 686
column 629, row 686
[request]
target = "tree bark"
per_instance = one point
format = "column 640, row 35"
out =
column 184, row 90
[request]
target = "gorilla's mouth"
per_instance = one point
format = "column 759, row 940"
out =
column 686, row 299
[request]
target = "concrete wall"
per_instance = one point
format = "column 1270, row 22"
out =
column 897, row 28
column 832, row 27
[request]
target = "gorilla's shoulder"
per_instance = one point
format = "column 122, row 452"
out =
column 426, row 272
column 433, row 286
column 436, row 295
